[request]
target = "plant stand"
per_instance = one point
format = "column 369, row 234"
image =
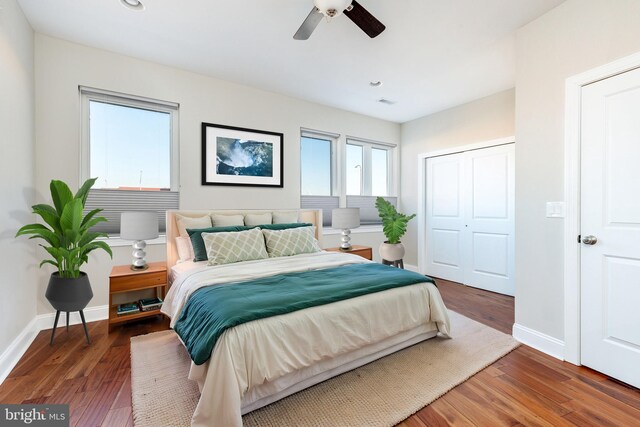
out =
column 55, row 325
column 399, row 263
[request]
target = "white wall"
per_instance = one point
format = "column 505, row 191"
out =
column 61, row 66
column 17, row 261
column 574, row 37
column 485, row 119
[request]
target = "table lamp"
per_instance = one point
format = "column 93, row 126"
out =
column 139, row 226
column 345, row 219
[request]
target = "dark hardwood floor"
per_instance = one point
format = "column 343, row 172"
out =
column 525, row 387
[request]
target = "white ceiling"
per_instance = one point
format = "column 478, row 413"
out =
column 433, row 55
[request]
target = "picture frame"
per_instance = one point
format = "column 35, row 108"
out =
column 242, row 156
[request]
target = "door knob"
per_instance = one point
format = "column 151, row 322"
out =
column 589, row 240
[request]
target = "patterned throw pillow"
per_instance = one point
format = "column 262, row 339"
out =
column 289, row 242
column 226, row 248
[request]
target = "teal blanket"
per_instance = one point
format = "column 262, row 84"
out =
column 212, row 310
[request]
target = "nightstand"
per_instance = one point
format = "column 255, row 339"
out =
column 124, row 279
column 364, row 251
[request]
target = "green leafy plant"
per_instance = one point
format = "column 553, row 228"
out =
column 394, row 224
column 68, row 239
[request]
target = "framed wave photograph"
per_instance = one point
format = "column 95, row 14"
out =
column 240, row 156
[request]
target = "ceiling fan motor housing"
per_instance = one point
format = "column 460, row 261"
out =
column 332, row 8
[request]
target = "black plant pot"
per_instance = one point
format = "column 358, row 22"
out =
column 66, row 294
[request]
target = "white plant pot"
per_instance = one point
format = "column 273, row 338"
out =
column 391, row 252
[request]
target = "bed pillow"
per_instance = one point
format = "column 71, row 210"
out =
column 185, row 222
column 257, row 219
column 227, row 220
column 285, row 226
column 286, row 217
column 230, row 247
column 185, row 250
column 199, row 249
column 292, row 241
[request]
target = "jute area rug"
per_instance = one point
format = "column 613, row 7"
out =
column 382, row 393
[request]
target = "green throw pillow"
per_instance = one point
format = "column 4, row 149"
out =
column 199, row 250
column 292, row 241
column 230, row 247
column 285, row 226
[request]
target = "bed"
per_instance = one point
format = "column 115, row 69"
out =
column 259, row 362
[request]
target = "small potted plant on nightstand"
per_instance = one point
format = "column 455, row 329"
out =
column 394, row 226
column 68, row 242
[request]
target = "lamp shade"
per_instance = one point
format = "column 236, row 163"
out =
column 345, row 218
column 138, row 225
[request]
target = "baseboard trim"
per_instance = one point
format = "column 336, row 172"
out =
column 545, row 343
column 11, row 356
column 18, row 347
column 91, row 314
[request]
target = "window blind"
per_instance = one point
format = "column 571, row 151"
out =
column 326, row 203
column 114, row 202
column 367, row 205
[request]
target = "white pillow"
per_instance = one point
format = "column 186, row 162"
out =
column 227, row 220
column 185, row 250
column 285, row 217
column 229, row 247
column 257, row 219
column 185, row 222
column 292, row 241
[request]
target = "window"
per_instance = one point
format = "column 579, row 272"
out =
column 354, row 166
column 364, row 171
column 316, row 169
column 318, row 172
column 131, row 145
column 374, row 177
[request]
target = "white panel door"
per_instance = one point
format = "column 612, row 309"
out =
column 490, row 218
column 470, row 218
column 445, row 217
column 610, row 227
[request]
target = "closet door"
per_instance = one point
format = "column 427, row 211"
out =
column 489, row 219
column 470, row 218
column 445, row 217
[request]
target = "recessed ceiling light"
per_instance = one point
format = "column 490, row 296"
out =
column 377, row 83
column 133, row 4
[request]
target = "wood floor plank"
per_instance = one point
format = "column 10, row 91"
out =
column 525, row 387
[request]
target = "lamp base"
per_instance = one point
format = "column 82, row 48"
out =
column 346, row 240
column 139, row 263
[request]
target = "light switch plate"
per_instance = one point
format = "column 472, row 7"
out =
column 555, row 209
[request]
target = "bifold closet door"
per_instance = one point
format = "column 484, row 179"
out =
column 445, row 217
column 470, row 218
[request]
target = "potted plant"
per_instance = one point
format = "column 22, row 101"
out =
column 394, row 226
column 68, row 241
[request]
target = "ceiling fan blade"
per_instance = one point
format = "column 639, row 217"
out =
column 363, row 19
column 309, row 24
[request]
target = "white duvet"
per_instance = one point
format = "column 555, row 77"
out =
column 250, row 357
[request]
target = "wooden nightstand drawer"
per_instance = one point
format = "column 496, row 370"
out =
column 138, row 281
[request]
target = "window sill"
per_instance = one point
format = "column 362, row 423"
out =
column 116, row 241
column 364, row 229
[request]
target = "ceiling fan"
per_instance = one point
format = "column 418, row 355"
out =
column 333, row 8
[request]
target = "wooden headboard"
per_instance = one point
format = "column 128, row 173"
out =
column 313, row 216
